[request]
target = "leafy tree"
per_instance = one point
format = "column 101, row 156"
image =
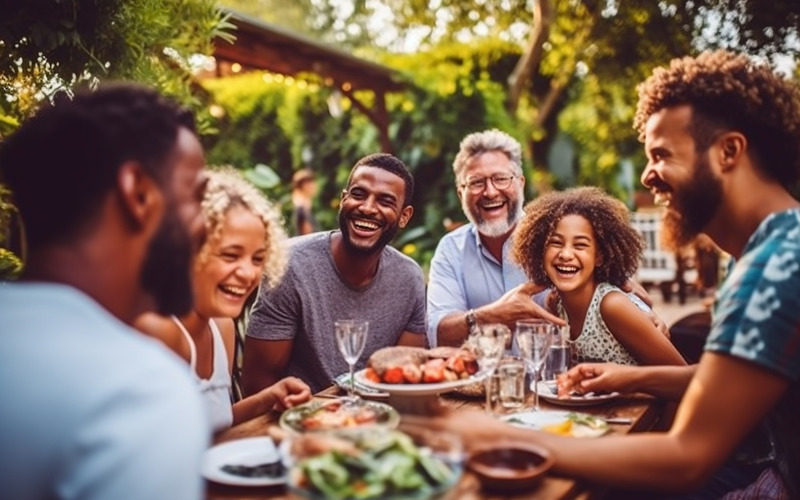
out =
column 569, row 42
column 50, row 45
column 47, row 46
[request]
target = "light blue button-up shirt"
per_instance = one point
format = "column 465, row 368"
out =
column 464, row 275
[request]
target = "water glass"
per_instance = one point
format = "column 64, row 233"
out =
column 488, row 342
column 511, row 383
column 533, row 338
column 558, row 360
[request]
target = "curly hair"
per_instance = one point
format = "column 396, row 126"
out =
column 63, row 161
column 478, row 143
column 618, row 244
column 731, row 92
column 227, row 189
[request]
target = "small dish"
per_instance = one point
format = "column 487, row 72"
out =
column 335, row 414
column 563, row 423
column 549, row 392
column 510, row 466
column 246, row 453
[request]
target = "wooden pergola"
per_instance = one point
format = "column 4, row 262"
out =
column 263, row 46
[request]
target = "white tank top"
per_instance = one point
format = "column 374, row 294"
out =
column 216, row 389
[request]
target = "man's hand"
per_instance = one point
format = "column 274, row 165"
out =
column 659, row 323
column 596, row 377
column 518, row 304
column 635, row 288
column 289, row 392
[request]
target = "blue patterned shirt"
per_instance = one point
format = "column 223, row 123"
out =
column 757, row 318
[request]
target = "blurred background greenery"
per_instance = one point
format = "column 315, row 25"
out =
column 558, row 76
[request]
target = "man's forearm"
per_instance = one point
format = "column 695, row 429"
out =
column 452, row 329
column 666, row 382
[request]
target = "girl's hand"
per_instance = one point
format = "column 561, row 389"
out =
column 595, row 377
column 289, row 392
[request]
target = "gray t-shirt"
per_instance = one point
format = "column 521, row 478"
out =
column 312, row 295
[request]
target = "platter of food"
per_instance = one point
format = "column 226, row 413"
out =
column 372, row 464
column 335, row 414
column 558, row 422
column 244, row 462
column 415, row 371
column 548, row 391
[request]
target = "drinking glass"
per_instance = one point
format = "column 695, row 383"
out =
column 351, row 335
column 558, row 361
column 489, row 344
column 533, row 339
column 511, row 383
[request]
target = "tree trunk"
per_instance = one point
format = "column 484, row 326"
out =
column 529, row 61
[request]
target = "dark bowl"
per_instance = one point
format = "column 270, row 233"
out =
column 510, row 466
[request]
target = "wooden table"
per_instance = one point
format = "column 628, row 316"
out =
column 642, row 410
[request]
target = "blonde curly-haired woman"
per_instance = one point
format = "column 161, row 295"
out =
column 245, row 243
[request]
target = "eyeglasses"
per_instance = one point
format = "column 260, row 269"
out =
column 499, row 181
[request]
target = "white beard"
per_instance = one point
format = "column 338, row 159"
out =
column 496, row 228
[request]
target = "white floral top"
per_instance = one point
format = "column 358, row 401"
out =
column 596, row 343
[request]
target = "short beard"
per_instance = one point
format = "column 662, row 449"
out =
column 692, row 209
column 388, row 235
column 166, row 272
column 495, row 229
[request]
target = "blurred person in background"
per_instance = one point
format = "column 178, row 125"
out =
column 304, row 188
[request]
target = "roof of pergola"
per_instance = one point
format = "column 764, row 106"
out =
column 260, row 45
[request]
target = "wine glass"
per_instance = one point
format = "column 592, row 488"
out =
column 351, row 335
column 533, row 340
column 489, row 344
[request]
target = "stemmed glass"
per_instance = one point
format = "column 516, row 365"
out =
column 489, row 344
column 533, row 340
column 351, row 335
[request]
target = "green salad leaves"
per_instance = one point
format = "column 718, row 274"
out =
column 388, row 464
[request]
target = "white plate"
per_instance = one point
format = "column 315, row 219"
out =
column 248, row 451
column 547, row 392
column 415, row 389
column 583, row 425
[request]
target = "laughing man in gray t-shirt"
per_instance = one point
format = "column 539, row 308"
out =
column 351, row 273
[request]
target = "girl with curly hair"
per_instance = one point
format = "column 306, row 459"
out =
column 245, row 243
column 580, row 243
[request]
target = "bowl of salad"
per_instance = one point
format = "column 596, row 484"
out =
column 409, row 462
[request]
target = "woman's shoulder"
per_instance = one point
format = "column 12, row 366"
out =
column 161, row 328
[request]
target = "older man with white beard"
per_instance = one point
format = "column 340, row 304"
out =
column 472, row 280
column 471, row 277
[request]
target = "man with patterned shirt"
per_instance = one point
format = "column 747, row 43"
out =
column 722, row 137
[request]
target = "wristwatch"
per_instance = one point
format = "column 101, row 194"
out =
column 472, row 323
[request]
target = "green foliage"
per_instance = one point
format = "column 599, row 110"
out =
column 455, row 90
column 10, row 263
column 52, row 45
column 48, row 46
